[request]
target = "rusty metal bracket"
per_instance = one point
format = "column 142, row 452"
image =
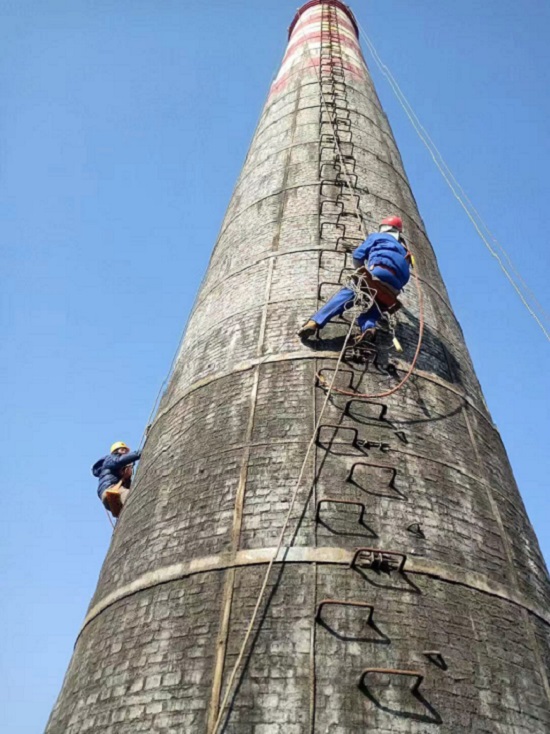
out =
column 393, row 671
column 333, row 501
column 379, row 557
column 383, row 408
column 392, row 469
column 342, row 256
column 322, row 371
column 342, row 603
column 355, row 442
column 335, row 225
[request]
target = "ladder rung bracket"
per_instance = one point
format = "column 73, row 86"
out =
column 327, row 284
column 355, row 198
column 339, row 227
column 349, row 220
column 325, row 167
column 335, row 107
column 383, row 408
column 330, row 254
column 345, row 275
column 348, row 179
column 344, row 121
column 343, row 245
column 417, row 675
column 327, row 128
column 338, row 208
column 342, row 603
column 348, row 159
column 379, row 556
column 334, row 117
column 393, row 471
column 328, row 154
column 333, row 166
column 334, row 501
column 347, row 244
column 333, row 185
column 337, row 427
column 347, row 227
column 347, row 148
column 340, row 372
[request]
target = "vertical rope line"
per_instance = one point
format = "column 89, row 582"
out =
column 267, row 574
column 447, row 174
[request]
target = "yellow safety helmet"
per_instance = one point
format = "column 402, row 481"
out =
column 118, row 445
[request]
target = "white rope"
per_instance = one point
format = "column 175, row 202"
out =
column 250, row 627
column 221, row 711
column 449, row 178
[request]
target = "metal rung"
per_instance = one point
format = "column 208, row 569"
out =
column 325, row 283
column 382, row 406
column 340, row 372
column 392, row 671
column 338, row 206
column 354, row 442
column 392, row 469
column 333, row 501
column 345, row 259
column 379, row 557
column 340, row 227
column 347, row 244
column 342, row 603
column 349, row 179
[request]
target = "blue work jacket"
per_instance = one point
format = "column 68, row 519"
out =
column 108, row 469
column 381, row 248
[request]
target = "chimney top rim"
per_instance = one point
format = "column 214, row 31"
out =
column 335, row 3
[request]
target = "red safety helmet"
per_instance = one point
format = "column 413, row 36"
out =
column 395, row 222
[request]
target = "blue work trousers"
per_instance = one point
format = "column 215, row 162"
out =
column 344, row 299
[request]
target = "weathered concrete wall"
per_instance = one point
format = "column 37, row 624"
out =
column 222, row 459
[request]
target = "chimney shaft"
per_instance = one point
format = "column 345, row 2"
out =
column 444, row 618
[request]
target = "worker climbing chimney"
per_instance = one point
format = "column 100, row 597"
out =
column 319, row 537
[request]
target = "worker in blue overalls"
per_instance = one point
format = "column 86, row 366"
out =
column 114, row 472
column 383, row 262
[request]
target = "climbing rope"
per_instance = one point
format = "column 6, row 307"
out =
column 281, row 536
column 455, row 188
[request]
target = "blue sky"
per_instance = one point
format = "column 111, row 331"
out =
column 123, row 127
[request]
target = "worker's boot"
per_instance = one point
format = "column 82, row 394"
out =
column 366, row 337
column 310, row 328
